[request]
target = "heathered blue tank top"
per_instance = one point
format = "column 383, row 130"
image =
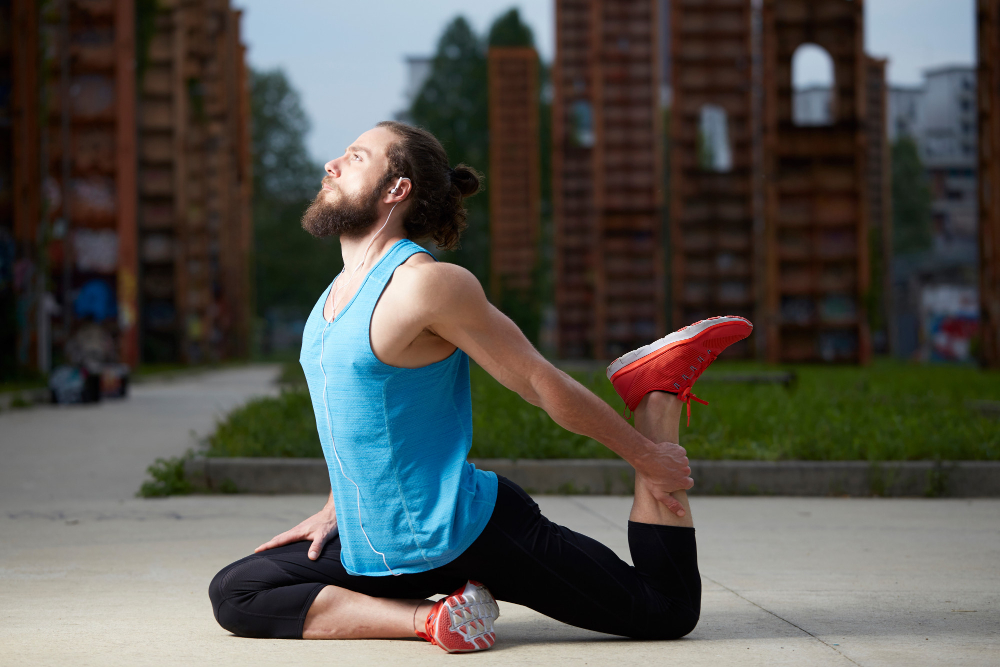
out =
column 401, row 434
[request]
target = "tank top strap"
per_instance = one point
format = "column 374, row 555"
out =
column 401, row 251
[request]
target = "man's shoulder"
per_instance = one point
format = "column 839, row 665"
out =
column 422, row 275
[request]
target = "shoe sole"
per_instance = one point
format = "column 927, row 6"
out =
column 684, row 335
column 470, row 621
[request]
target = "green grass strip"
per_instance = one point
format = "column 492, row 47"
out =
column 888, row 411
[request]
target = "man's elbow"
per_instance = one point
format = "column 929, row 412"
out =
column 531, row 397
column 550, row 389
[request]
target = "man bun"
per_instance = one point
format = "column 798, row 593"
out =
column 466, row 179
column 436, row 209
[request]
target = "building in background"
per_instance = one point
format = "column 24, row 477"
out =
column 817, row 220
column 515, row 163
column 811, row 106
column 904, row 111
column 194, row 193
column 607, row 177
column 947, row 138
column 84, row 172
column 940, row 116
column 715, row 225
column 988, row 87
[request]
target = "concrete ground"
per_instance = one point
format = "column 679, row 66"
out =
column 89, row 574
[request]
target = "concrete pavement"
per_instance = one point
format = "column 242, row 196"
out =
column 100, row 452
column 91, row 575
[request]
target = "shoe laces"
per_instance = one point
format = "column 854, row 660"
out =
column 429, row 621
column 686, row 396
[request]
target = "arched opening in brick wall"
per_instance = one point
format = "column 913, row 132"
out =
column 813, row 86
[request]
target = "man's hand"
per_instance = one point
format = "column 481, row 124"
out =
column 665, row 468
column 320, row 528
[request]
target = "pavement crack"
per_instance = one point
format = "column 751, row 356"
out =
column 598, row 515
column 781, row 618
column 611, row 523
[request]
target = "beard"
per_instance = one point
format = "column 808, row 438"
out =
column 349, row 217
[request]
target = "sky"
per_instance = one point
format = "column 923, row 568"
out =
column 347, row 58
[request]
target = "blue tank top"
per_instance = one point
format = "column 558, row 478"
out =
column 402, row 436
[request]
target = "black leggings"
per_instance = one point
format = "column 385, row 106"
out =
column 521, row 557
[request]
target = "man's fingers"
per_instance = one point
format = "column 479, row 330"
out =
column 316, row 547
column 279, row 540
column 673, row 505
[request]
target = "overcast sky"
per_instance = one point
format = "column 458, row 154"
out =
column 346, row 58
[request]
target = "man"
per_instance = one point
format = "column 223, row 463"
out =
column 386, row 352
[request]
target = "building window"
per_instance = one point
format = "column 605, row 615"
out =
column 813, row 86
column 715, row 153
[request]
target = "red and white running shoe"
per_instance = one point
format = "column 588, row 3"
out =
column 674, row 362
column 463, row 621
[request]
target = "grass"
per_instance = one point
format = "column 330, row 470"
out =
column 166, row 478
column 23, row 384
column 889, row 411
column 282, row 426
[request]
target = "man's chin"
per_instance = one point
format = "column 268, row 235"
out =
column 333, row 214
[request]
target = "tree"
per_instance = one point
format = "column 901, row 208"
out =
column 911, row 199
column 291, row 267
column 509, row 30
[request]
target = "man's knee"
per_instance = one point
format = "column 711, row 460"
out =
column 675, row 624
column 230, row 591
column 683, row 623
column 215, row 593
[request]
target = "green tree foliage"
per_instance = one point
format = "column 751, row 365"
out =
column 145, row 28
column 911, row 199
column 509, row 30
column 291, row 267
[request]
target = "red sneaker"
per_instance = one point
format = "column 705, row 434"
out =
column 673, row 363
column 463, row 621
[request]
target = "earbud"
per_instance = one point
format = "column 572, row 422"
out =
column 396, row 187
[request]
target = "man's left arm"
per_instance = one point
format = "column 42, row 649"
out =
column 457, row 310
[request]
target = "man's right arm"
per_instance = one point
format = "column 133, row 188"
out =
column 320, row 528
column 456, row 309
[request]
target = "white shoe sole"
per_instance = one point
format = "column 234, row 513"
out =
column 472, row 620
column 678, row 336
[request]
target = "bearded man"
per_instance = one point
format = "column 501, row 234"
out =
column 386, row 354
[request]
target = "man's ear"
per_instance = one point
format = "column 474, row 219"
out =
column 400, row 190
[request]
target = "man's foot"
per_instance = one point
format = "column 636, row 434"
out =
column 674, row 362
column 463, row 621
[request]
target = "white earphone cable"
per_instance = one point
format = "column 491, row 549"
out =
column 326, row 404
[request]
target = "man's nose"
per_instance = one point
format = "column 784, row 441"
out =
column 333, row 168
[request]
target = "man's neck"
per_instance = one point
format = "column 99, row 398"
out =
column 353, row 249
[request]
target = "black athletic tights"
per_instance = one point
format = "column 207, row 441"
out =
column 521, row 557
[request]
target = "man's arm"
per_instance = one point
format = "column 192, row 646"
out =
column 457, row 310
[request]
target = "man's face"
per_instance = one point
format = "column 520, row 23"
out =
column 350, row 199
